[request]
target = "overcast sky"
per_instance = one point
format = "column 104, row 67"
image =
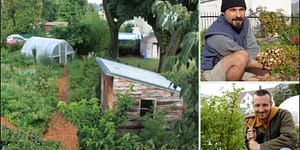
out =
column 216, row 88
column 95, row 1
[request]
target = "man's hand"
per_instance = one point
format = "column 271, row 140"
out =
column 270, row 67
column 253, row 145
column 251, row 134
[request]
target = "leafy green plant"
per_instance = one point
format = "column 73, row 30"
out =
column 289, row 31
column 222, row 125
column 15, row 58
column 18, row 139
column 83, row 79
column 271, row 22
column 128, row 49
column 95, row 131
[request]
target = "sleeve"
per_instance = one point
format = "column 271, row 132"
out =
column 252, row 46
column 287, row 137
column 222, row 44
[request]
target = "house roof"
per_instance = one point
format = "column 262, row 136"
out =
column 129, row 36
column 113, row 68
column 242, row 94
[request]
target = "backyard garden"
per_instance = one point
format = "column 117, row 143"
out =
column 278, row 39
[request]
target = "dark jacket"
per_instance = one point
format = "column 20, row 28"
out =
column 221, row 27
column 279, row 133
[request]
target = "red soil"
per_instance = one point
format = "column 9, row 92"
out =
column 7, row 124
column 60, row 129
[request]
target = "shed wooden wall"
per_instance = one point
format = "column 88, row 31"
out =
column 164, row 98
column 106, row 91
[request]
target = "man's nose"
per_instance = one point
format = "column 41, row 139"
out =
column 261, row 109
column 238, row 14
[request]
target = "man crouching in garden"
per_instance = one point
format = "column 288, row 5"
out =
column 271, row 128
column 230, row 47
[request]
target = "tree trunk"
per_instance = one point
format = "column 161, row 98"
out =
column 174, row 43
column 160, row 38
column 114, row 30
column 114, row 42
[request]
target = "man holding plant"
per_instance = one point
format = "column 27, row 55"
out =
column 271, row 128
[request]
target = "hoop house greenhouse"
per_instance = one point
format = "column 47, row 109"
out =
column 48, row 50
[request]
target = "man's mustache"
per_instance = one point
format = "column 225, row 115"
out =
column 238, row 19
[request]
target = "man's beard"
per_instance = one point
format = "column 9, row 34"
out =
column 237, row 26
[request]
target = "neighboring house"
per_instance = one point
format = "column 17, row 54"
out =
column 245, row 100
column 152, row 91
column 149, row 46
column 139, row 22
column 49, row 25
column 128, row 38
column 206, row 7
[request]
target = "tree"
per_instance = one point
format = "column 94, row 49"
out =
column 170, row 21
column 49, row 10
column 20, row 16
column 222, row 123
column 284, row 91
column 175, row 24
column 71, row 10
column 114, row 22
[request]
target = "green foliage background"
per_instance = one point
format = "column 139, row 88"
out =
column 222, row 123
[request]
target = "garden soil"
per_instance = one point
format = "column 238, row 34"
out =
column 7, row 124
column 59, row 129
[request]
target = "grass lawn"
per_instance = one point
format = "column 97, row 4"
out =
column 148, row 63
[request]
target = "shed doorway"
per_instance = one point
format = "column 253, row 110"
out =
column 147, row 106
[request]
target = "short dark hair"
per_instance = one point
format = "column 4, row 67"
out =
column 262, row 92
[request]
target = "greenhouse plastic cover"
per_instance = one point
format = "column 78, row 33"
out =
column 45, row 46
column 292, row 104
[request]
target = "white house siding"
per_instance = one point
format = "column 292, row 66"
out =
column 208, row 7
column 149, row 47
column 246, row 104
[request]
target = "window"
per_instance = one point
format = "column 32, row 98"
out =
column 147, row 106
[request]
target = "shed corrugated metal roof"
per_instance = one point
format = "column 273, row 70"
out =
column 113, row 68
column 128, row 36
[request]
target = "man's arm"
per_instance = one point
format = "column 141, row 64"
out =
column 252, row 46
column 222, row 44
column 288, row 135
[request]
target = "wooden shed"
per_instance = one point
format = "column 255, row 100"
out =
column 149, row 89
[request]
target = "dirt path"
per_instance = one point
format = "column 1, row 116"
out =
column 7, row 124
column 60, row 129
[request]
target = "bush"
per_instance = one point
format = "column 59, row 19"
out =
column 288, row 34
column 222, row 125
column 271, row 22
column 128, row 49
column 15, row 47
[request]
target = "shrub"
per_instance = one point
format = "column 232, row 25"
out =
column 271, row 22
column 15, row 47
column 128, row 49
column 222, row 124
column 289, row 34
